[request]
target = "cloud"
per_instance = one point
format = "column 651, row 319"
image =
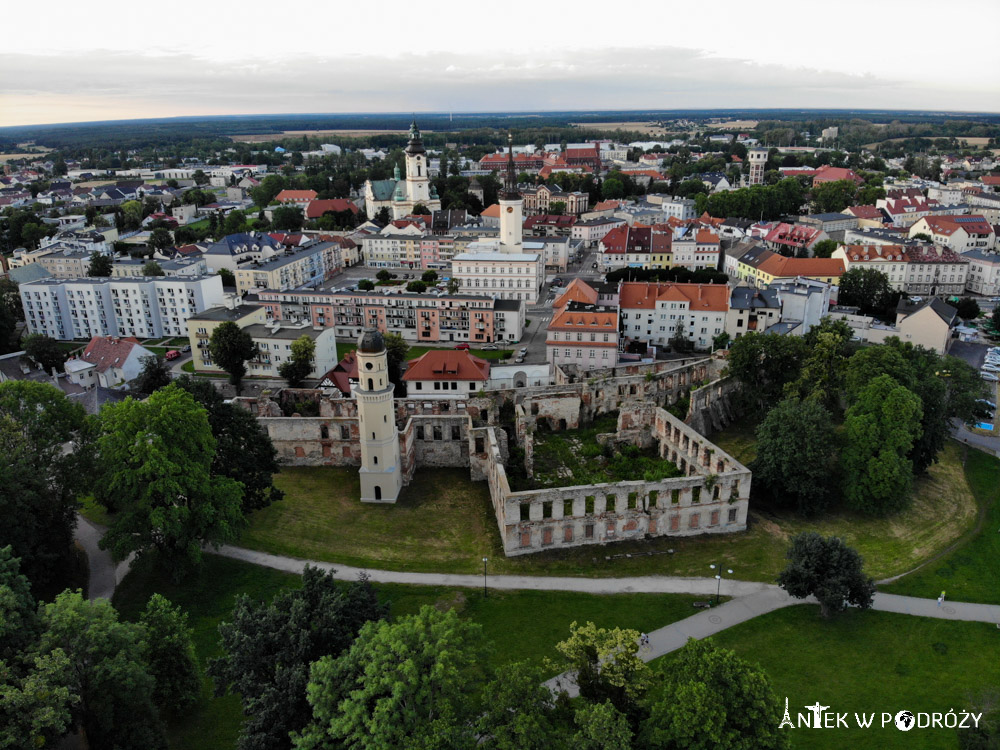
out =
column 623, row 78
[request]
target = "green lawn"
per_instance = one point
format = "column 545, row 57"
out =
column 445, row 523
column 492, row 355
column 970, row 572
column 870, row 662
column 520, row 624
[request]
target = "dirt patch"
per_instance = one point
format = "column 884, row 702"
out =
column 15, row 157
column 747, row 124
column 455, row 600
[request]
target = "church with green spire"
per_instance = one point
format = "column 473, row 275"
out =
column 401, row 195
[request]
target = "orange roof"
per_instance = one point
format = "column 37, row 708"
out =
column 781, row 267
column 447, row 364
column 865, row 253
column 707, row 237
column 577, row 291
column 108, row 351
column 606, row 205
column 603, row 321
column 643, row 295
column 493, row 212
column 295, row 195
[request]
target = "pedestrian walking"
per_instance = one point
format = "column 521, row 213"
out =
column 941, row 599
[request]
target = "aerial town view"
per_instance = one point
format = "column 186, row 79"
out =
column 502, row 378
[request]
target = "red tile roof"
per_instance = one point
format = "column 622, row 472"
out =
column 491, row 212
column 793, row 235
column 827, row 173
column 779, row 266
column 295, row 196
column 447, row 364
column 635, row 294
column 108, row 351
column 577, row 291
column 315, row 209
column 342, row 373
column 866, row 212
column 600, row 321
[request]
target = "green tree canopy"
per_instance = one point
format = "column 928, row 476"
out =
column 429, row 277
column 100, row 264
column 763, row 364
column 711, row 698
column 10, row 313
column 796, row 455
column 269, row 647
column 824, row 248
column 231, row 347
column 243, row 449
column 520, row 712
column 39, row 480
column 287, row 218
column 366, row 285
column 154, row 468
column 159, row 239
column 828, row 569
column 152, row 268
column 168, row 653
column 297, row 367
column 410, row 683
column 44, row 350
column 968, row 308
column 155, row 374
column 416, row 286
column 868, row 289
column 833, row 197
column 880, row 429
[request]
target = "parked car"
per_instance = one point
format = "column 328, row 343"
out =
column 519, row 359
column 489, row 347
column 593, row 265
column 990, row 377
column 463, row 345
column 186, row 349
column 523, row 350
column 172, row 354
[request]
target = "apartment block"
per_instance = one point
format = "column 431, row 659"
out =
column 142, row 307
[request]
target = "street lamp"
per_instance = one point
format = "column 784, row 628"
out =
column 718, row 577
column 485, row 560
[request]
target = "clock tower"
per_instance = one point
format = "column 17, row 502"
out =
column 381, row 466
column 511, row 207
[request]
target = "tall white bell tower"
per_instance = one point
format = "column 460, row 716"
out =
column 418, row 183
column 511, row 207
column 381, row 466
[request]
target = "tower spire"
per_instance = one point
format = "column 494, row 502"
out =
column 510, row 178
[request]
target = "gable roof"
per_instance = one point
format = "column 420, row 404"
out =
column 643, row 295
column 585, row 317
column 342, row 374
column 295, row 195
column 382, row 190
column 779, row 266
column 577, row 291
column 110, row 351
column 447, row 364
column 317, row 208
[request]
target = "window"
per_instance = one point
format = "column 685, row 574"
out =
column 547, row 509
column 456, row 432
column 610, row 503
column 653, row 495
column 675, row 497
column 732, row 515
column 525, row 511
column 696, row 494
column 694, row 521
column 588, row 531
column 589, row 504
column 567, row 507
column 632, row 499
column 420, row 432
column 345, row 432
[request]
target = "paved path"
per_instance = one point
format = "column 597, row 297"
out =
column 102, row 568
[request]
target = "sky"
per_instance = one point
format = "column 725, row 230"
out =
column 121, row 60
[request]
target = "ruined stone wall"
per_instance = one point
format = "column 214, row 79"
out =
column 712, row 497
column 441, row 440
column 711, row 406
column 315, row 441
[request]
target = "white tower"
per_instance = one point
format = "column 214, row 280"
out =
column 511, row 207
column 418, row 184
column 381, row 467
column 757, row 158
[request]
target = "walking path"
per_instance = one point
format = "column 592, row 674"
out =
column 102, row 568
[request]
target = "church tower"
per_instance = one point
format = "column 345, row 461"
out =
column 381, row 467
column 511, row 207
column 417, row 189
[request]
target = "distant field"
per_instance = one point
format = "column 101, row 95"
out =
column 974, row 141
column 735, row 124
column 264, row 137
column 14, row 157
column 638, row 127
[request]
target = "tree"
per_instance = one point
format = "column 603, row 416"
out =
column 296, row 368
column 763, row 364
column 39, row 480
column 416, row 286
column 131, row 214
column 228, row 277
column 168, row 653
column 366, row 285
column 383, row 275
column 605, row 665
column 396, row 349
column 100, row 264
column 200, row 178
column 35, row 702
column 269, row 647
column 796, row 455
column 452, row 285
column 235, row 223
column 833, row 197
column 824, row 248
column 231, row 347
column 557, row 208
column 382, row 216
column 288, row 218
column 18, row 620
column 160, row 238
column 268, row 189
column 154, row 468
column 968, row 308
column 601, row 726
column 243, row 449
column 105, row 671
column 823, row 368
column 11, row 312
column 152, row 268
column 866, row 288
column 721, row 340
column 714, row 699
column 923, row 237
column 828, row 569
column 44, row 351
column 880, row 429
column 155, row 374
column 410, row 683
column 519, row 711
column 429, row 277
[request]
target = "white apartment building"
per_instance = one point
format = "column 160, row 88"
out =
column 143, row 307
column 960, row 233
column 696, row 249
column 516, row 276
column 652, row 312
column 590, row 231
column 923, row 269
column 984, row 273
column 679, row 208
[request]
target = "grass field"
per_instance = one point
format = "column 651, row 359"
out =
column 520, row 624
column 970, row 572
column 445, row 523
column 870, row 662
